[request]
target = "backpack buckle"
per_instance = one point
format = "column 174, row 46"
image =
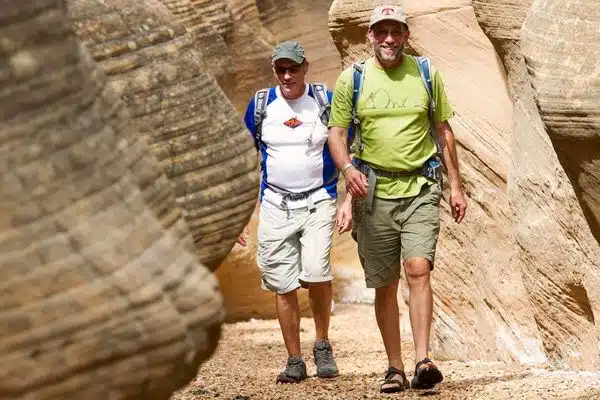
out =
column 432, row 169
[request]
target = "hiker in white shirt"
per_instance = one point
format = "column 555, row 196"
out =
column 297, row 204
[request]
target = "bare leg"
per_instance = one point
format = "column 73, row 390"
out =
column 288, row 313
column 420, row 303
column 388, row 320
column 320, row 295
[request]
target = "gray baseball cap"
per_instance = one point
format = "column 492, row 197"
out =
column 291, row 50
column 387, row 13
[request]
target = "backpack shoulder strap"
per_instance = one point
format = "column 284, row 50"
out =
column 319, row 90
column 425, row 72
column 358, row 79
column 260, row 112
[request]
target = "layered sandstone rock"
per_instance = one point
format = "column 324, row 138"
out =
column 238, row 48
column 561, row 44
column 102, row 296
column 555, row 249
column 153, row 62
column 208, row 36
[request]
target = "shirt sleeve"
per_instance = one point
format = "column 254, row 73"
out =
column 341, row 104
column 443, row 110
column 249, row 117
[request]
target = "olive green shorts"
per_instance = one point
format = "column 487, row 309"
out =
column 396, row 229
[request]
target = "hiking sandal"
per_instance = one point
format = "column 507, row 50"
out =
column 426, row 377
column 395, row 381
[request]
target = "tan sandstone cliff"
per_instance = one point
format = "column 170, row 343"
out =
column 555, row 249
column 158, row 67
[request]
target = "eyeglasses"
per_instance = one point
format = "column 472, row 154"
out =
column 382, row 34
column 292, row 70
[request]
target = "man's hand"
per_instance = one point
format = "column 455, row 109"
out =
column 458, row 205
column 343, row 217
column 356, row 182
column 242, row 239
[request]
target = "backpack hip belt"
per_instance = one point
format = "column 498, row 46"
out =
column 431, row 170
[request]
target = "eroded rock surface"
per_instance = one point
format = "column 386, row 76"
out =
column 101, row 294
column 561, row 44
column 555, row 249
column 175, row 102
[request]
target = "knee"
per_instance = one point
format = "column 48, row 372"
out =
column 418, row 271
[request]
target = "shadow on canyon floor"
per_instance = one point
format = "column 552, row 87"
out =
column 251, row 354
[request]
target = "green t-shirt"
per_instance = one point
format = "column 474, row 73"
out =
column 393, row 111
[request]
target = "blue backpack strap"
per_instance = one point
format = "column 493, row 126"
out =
column 319, row 90
column 357, row 72
column 261, row 98
column 425, row 73
column 358, row 78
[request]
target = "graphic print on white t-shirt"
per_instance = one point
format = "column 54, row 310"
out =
column 295, row 157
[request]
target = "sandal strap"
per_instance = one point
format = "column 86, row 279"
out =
column 394, row 371
column 426, row 360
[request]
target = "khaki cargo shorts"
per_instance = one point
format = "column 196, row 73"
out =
column 294, row 246
column 395, row 230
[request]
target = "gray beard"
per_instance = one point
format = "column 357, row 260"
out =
column 379, row 54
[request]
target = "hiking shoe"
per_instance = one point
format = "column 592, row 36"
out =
column 326, row 366
column 294, row 372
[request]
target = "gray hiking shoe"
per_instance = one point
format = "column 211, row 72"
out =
column 294, row 372
column 326, row 366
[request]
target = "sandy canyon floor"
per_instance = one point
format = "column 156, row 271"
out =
column 251, row 354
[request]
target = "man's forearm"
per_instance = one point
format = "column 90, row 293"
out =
column 448, row 147
column 338, row 146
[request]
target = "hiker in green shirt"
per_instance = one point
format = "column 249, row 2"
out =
column 395, row 182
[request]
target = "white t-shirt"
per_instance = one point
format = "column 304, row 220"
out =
column 295, row 157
